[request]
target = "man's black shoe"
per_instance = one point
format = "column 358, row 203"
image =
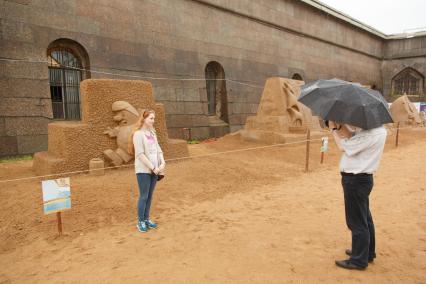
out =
column 348, row 265
column 349, row 252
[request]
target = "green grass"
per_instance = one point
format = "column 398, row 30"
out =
column 193, row 141
column 8, row 159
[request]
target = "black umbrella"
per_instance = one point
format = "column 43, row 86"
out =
column 346, row 102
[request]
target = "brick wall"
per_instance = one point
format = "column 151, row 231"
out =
column 252, row 40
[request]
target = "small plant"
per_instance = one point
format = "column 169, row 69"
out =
column 8, row 159
column 193, row 141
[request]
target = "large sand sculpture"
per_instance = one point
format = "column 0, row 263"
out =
column 280, row 116
column 108, row 110
column 404, row 111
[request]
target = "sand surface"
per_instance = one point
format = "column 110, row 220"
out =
column 244, row 217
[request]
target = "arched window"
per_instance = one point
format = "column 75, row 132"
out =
column 297, row 76
column 408, row 81
column 67, row 60
column 216, row 91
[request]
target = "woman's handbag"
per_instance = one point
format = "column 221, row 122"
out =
column 162, row 173
column 160, row 176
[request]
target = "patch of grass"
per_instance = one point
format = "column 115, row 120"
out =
column 193, row 141
column 8, row 159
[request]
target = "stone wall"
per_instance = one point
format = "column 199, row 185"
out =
column 400, row 54
column 252, row 40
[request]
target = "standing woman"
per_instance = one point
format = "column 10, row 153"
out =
column 149, row 162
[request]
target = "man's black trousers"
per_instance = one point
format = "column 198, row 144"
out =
column 357, row 190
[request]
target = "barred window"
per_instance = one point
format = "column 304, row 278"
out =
column 66, row 71
column 409, row 82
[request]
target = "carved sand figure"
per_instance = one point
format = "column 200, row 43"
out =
column 126, row 116
column 422, row 115
column 73, row 144
column 279, row 114
column 402, row 110
column 296, row 116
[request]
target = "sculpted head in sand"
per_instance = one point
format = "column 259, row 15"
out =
column 422, row 115
column 402, row 110
column 279, row 98
column 279, row 116
column 126, row 116
column 294, row 113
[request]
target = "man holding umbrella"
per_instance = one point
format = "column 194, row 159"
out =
column 362, row 151
column 355, row 116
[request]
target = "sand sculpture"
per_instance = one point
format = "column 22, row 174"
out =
column 108, row 110
column 404, row 111
column 126, row 116
column 280, row 116
column 422, row 115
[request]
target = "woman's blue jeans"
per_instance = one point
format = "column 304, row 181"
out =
column 146, row 184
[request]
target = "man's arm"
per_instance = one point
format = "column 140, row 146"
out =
column 337, row 138
column 340, row 133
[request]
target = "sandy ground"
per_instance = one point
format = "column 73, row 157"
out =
column 245, row 217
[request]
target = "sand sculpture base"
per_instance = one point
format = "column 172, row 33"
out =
column 96, row 167
column 217, row 127
column 72, row 144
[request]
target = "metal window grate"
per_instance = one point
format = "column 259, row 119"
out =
column 64, row 84
column 409, row 82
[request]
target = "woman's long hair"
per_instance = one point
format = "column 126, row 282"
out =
column 138, row 125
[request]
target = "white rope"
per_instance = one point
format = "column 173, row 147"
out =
column 184, row 158
column 167, row 160
column 150, row 78
column 133, row 76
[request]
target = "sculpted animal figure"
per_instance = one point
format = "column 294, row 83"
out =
column 125, row 115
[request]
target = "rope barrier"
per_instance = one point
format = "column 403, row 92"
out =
column 133, row 76
column 155, row 78
column 184, row 158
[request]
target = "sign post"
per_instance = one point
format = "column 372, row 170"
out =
column 324, row 147
column 59, row 218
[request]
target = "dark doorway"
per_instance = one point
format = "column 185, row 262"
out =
column 216, row 91
column 297, row 76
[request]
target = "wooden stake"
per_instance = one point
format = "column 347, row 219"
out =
column 189, row 133
column 308, row 138
column 59, row 217
column 190, row 136
column 397, row 135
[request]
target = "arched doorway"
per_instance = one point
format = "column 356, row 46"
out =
column 297, row 76
column 216, row 91
column 67, row 60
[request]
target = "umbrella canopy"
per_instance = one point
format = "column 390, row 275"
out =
column 346, row 102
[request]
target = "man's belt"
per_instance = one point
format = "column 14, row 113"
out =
column 351, row 174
